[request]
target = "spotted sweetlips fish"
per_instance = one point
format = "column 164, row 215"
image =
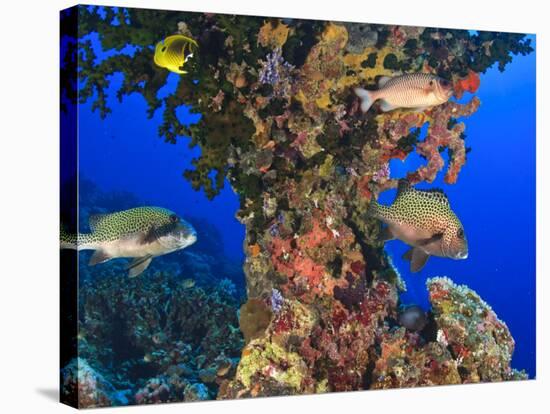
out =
column 424, row 220
column 417, row 91
column 141, row 233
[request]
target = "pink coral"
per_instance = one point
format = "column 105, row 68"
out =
column 439, row 135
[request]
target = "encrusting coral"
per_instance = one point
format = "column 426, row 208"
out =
column 280, row 121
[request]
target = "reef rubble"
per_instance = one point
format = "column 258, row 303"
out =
column 281, row 124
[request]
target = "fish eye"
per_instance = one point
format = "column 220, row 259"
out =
column 163, row 49
column 431, row 83
column 174, row 218
column 460, row 233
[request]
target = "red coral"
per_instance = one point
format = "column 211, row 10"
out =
column 294, row 263
column 470, row 83
column 318, row 235
column 280, row 253
column 398, row 36
column 309, row 353
column 363, row 187
column 283, row 323
column 339, row 316
column 438, row 293
column 398, row 153
column 307, row 268
column 357, row 267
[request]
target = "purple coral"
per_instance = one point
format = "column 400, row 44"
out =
column 276, row 72
column 354, row 293
column 274, row 230
column 382, row 174
column 277, row 301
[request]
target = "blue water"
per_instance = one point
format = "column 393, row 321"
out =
column 495, row 200
column 494, row 196
column 148, row 167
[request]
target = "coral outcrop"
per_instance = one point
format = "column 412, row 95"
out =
column 281, row 123
column 90, row 388
column 481, row 343
column 468, row 344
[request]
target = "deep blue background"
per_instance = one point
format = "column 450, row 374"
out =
column 494, row 196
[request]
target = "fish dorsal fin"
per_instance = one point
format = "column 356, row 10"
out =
column 382, row 81
column 403, row 187
column 436, row 194
column 95, row 220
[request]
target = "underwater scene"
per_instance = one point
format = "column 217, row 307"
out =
column 256, row 206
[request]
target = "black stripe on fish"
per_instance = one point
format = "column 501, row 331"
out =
column 434, row 238
column 155, row 232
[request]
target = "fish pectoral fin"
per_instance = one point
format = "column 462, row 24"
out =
column 138, row 265
column 408, row 254
column 418, row 259
column 434, row 238
column 385, row 235
column 382, row 81
column 420, row 109
column 99, row 256
column 386, row 107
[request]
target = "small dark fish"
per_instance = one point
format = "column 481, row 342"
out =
column 413, row 318
column 188, row 283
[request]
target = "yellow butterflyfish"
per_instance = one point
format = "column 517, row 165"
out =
column 173, row 52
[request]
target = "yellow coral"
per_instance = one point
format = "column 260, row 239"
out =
column 262, row 357
column 329, row 72
column 354, row 61
column 322, row 68
column 274, row 35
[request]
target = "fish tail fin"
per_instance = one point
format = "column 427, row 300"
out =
column 74, row 241
column 367, row 98
column 67, row 240
column 373, row 209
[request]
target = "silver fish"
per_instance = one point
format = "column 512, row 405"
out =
column 417, row 91
column 141, row 233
